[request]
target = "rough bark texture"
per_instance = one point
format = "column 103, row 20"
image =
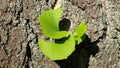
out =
column 20, row 30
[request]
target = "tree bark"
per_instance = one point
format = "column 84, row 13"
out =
column 20, row 30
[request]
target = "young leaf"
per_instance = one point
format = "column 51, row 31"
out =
column 57, row 51
column 80, row 31
column 49, row 21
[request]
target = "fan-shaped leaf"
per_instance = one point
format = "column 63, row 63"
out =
column 57, row 51
column 49, row 21
column 80, row 31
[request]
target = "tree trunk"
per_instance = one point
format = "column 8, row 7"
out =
column 20, row 30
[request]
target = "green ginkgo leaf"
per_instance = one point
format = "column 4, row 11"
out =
column 57, row 51
column 49, row 21
column 80, row 31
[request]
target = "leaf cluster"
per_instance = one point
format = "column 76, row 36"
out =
column 49, row 21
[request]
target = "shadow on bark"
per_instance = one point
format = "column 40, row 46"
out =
column 80, row 57
column 27, row 57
